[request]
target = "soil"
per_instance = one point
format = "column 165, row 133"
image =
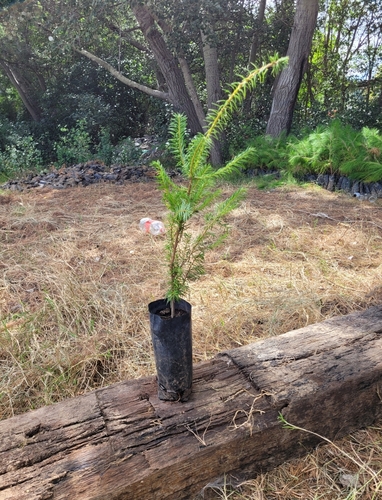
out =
column 166, row 313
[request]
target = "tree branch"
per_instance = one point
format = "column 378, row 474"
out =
column 124, row 34
column 130, row 83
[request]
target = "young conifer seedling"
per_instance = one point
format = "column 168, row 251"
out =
column 200, row 193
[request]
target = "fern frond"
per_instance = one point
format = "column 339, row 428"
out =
column 207, row 200
column 183, row 211
column 326, row 149
column 163, row 179
column 362, row 169
column 372, row 137
column 232, row 202
column 170, row 190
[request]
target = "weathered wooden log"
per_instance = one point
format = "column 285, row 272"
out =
column 121, row 442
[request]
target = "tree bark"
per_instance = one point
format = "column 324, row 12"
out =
column 210, row 55
column 24, row 90
column 289, row 81
column 169, row 67
column 255, row 49
column 192, row 90
column 122, row 443
column 256, row 35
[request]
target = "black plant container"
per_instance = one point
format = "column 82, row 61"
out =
column 172, row 342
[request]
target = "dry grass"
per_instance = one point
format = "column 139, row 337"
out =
column 77, row 275
column 350, row 469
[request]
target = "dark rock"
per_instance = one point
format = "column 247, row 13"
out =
column 331, row 183
column 355, row 187
column 93, row 172
column 310, row 178
column 82, row 175
column 110, row 177
column 339, row 183
column 71, row 182
column 377, row 189
column 346, row 184
column 323, row 180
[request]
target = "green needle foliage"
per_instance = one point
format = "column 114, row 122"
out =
column 200, row 193
column 323, row 151
column 366, row 164
column 339, row 149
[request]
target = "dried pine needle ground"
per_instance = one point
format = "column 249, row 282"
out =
column 77, row 275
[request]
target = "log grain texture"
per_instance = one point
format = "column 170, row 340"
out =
column 121, row 442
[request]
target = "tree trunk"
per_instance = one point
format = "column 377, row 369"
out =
column 169, row 67
column 210, row 55
column 256, row 36
column 192, row 90
column 23, row 87
column 255, row 49
column 289, row 81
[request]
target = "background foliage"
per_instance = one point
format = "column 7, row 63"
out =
column 61, row 97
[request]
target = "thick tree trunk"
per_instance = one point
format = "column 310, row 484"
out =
column 289, row 81
column 169, row 67
column 122, row 443
column 24, row 90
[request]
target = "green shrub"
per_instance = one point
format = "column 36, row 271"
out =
column 200, row 194
column 126, row 152
column 105, row 148
column 74, row 146
column 20, row 156
column 271, row 153
column 5, row 128
column 338, row 149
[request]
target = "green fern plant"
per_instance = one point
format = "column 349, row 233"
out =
column 339, row 149
column 366, row 165
column 200, row 194
column 271, row 152
column 324, row 150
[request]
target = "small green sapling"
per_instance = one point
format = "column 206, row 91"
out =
column 200, row 193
